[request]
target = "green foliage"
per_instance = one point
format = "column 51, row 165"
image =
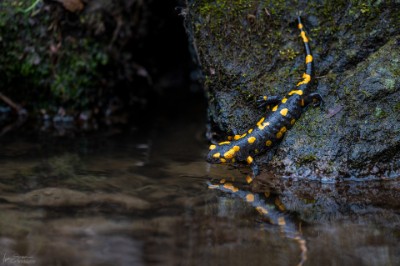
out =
column 43, row 61
column 30, row 8
column 76, row 73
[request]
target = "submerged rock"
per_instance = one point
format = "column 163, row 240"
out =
column 63, row 197
column 248, row 48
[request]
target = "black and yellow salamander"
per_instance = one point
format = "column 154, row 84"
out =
column 270, row 129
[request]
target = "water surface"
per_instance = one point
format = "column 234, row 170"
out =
column 141, row 197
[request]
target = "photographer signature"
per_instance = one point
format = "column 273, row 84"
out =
column 16, row 259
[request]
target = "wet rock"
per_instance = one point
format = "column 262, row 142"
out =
column 60, row 167
column 63, row 197
column 356, row 52
column 369, row 202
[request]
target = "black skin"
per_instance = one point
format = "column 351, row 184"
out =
column 280, row 118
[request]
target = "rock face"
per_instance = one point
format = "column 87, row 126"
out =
column 249, row 48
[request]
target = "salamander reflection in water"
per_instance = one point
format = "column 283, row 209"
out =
column 270, row 129
column 273, row 213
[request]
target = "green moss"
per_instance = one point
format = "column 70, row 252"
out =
column 76, row 75
column 288, row 54
column 359, row 7
column 380, row 113
column 397, row 107
column 230, row 25
column 309, row 201
column 307, row 158
column 390, row 84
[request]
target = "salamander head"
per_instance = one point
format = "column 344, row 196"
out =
column 222, row 153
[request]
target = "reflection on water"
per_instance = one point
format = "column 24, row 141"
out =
column 272, row 212
column 142, row 198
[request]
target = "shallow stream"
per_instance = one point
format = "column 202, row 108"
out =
column 140, row 197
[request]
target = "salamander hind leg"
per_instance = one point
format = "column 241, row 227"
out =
column 314, row 99
column 264, row 101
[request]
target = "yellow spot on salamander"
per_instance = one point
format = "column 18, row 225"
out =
column 265, row 124
column 250, row 197
column 275, row 108
column 260, row 122
column 224, row 143
column 265, row 98
column 284, row 100
column 230, row 137
column 216, row 155
column 303, row 36
column 279, row 204
column 279, row 135
column 229, row 154
column 284, row 111
column 283, row 129
column 236, row 137
column 230, row 187
column 249, row 179
column 222, row 160
column 250, row 130
column 292, row 121
column 251, row 140
column 299, row 92
column 309, row 59
column 300, row 26
column 306, row 79
column 249, row 160
column 222, row 181
column 268, row 143
column 212, row 147
column 262, row 210
column 281, row 221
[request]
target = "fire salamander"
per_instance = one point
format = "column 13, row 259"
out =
column 270, row 129
column 271, row 212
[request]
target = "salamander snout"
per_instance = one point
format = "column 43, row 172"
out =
column 214, row 155
column 222, row 153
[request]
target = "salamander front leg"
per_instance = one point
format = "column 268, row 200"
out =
column 315, row 99
column 254, row 167
column 264, row 101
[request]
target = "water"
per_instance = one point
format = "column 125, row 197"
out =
column 141, row 198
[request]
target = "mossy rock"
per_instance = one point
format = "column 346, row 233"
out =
column 250, row 48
